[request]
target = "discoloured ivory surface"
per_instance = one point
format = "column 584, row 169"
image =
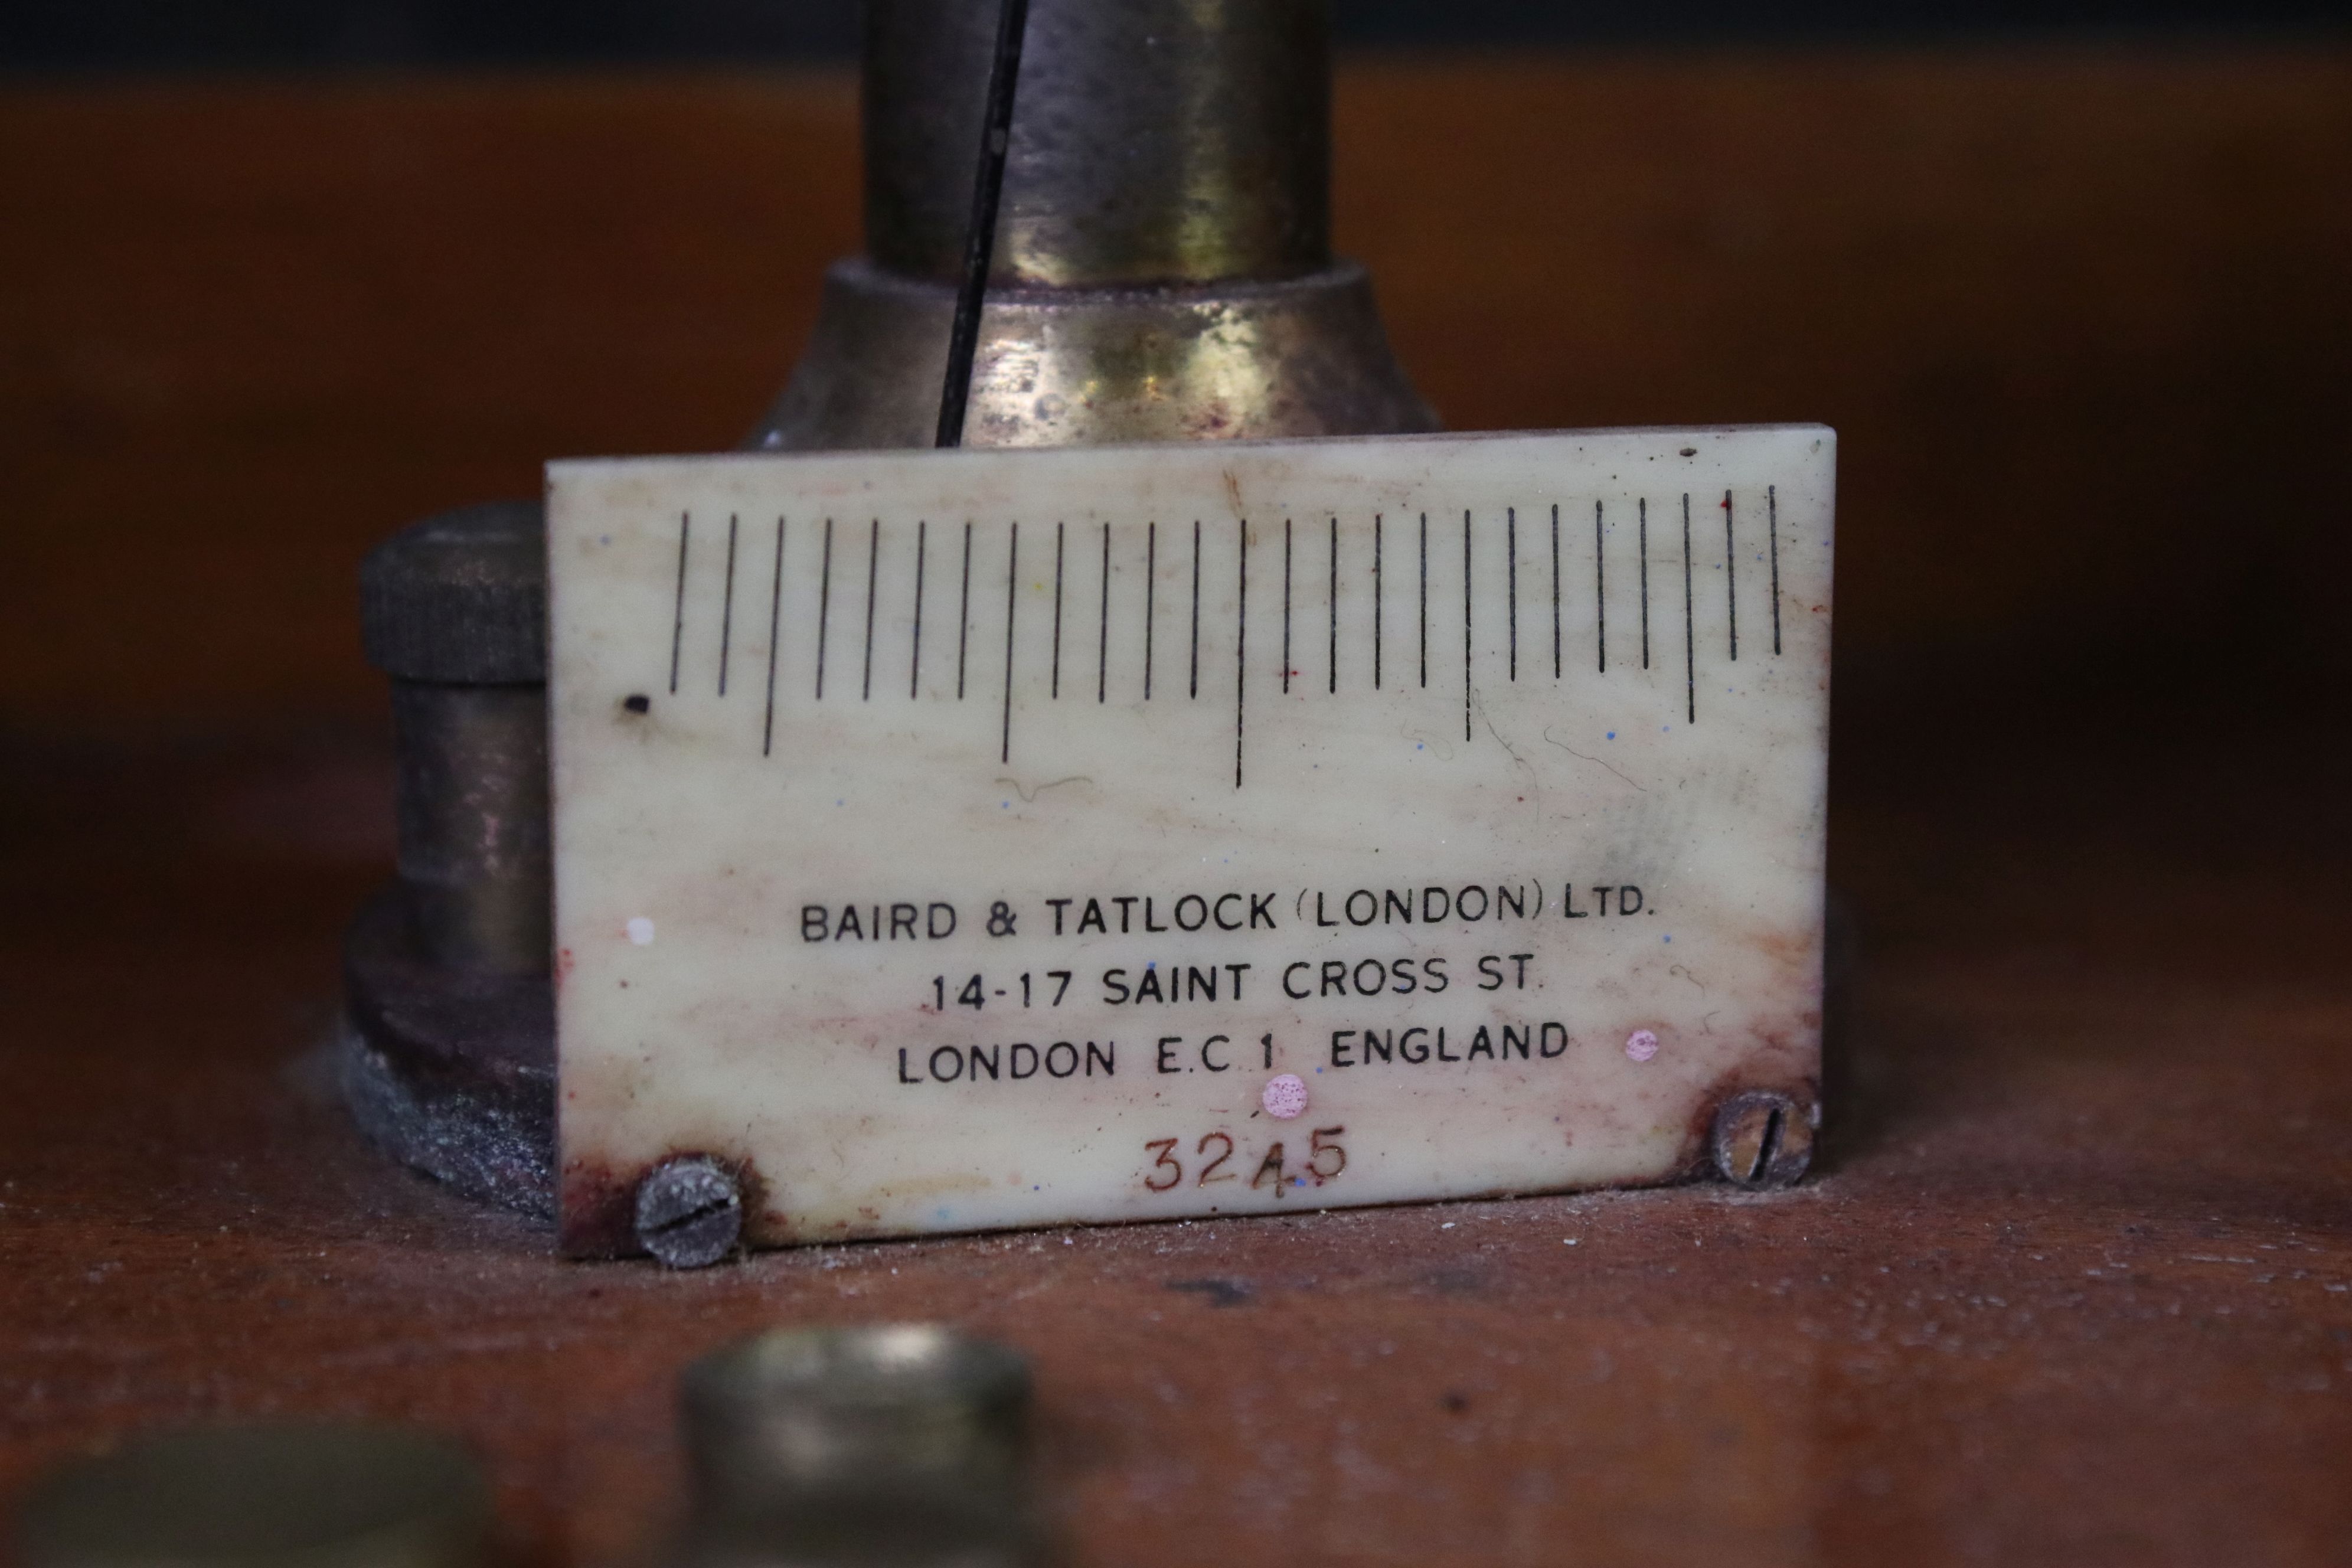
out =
column 939, row 877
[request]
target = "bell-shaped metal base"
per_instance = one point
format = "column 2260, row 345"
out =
column 1059, row 367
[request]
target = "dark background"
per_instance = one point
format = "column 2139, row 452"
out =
column 46, row 35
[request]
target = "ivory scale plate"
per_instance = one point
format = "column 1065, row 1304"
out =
column 956, row 840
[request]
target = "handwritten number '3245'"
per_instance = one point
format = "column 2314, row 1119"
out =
column 1214, row 1153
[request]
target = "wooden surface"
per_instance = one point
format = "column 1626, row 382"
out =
column 2075, row 1284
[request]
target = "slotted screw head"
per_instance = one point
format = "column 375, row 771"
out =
column 689, row 1212
column 1762, row 1140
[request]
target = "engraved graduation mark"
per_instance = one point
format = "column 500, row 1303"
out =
column 703, row 604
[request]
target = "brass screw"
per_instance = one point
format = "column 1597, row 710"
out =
column 1762, row 1140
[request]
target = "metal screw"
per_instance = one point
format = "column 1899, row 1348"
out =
column 1762, row 1140
column 689, row 1212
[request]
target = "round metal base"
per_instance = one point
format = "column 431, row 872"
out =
column 1058, row 367
column 449, row 1070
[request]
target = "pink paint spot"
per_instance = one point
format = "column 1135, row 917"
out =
column 1641, row 1045
column 1283, row 1097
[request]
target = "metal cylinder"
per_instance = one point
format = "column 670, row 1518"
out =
column 451, row 1058
column 473, row 822
column 887, row 1444
column 455, row 610
column 1174, row 141
column 1163, row 266
column 783, row 1415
